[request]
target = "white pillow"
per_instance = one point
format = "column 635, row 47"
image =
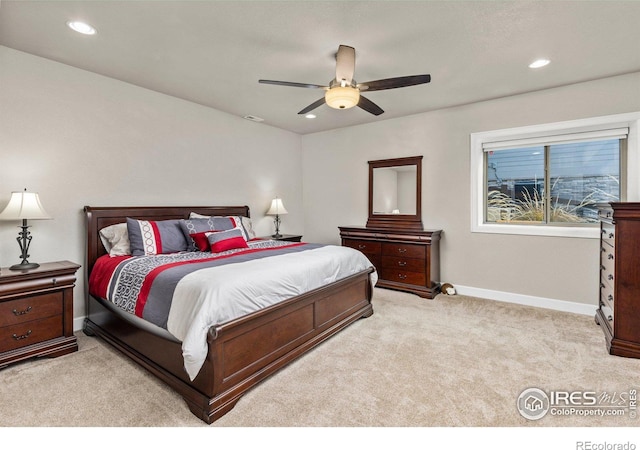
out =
column 115, row 239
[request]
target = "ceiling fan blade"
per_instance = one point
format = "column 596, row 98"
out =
column 289, row 83
column 313, row 106
column 393, row 83
column 345, row 63
column 369, row 106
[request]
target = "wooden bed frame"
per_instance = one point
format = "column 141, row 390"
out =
column 242, row 352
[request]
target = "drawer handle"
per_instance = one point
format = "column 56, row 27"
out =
column 610, row 256
column 402, row 276
column 602, row 285
column 21, row 313
column 22, row 336
column 402, row 250
column 402, row 263
column 610, row 298
column 610, row 277
column 602, row 267
column 361, row 246
column 610, row 235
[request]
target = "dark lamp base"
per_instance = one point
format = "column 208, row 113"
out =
column 24, row 266
column 277, row 235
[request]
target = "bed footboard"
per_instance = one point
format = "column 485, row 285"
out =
column 248, row 350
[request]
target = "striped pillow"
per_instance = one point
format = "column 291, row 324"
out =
column 156, row 237
column 221, row 241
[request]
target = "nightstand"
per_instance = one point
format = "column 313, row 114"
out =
column 285, row 237
column 36, row 312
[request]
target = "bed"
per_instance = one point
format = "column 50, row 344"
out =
column 240, row 352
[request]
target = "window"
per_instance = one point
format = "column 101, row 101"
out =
column 560, row 184
column 550, row 179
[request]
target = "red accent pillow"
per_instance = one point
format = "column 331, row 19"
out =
column 201, row 241
column 221, row 241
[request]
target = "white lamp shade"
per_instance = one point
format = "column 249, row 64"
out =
column 339, row 97
column 277, row 208
column 24, row 205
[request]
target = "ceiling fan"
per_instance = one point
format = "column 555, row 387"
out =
column 343, row 91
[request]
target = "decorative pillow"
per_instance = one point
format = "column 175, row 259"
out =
column 115, row 239
column 244, row 223
column 221, row 241
column 195, row 229
column 199, row 241
column 155, row 237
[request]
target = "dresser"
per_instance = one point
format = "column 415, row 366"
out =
column 618, row 311
column 36, row 312
column 406, row 260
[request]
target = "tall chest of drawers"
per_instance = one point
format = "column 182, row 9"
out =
column 618, row 311
column 405, row 260
column 36, row 312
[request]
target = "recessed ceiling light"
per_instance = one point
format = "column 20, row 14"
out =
column 310, row 116
column 539, row 63
column 253, row 118
column 81, row 27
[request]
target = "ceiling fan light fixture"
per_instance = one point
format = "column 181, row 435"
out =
column 339, row 97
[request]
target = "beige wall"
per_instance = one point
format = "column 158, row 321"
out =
column 80, row 139
column 336, row 175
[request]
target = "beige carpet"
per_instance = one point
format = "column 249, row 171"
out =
column 452, row 361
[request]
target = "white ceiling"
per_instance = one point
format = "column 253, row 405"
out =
column 213, row 52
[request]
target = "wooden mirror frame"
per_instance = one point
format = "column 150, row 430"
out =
column 395, row 221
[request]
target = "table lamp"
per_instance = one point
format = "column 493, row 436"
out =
column 23, row 206
column 277, row 209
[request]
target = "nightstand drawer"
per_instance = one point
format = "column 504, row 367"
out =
column 403, row 276
column 30, row 308
column 39, row 284
column 28, row 333
column 405, row 250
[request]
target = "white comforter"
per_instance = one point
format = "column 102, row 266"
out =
column 202, row 298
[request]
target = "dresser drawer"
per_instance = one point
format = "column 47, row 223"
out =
column 607, row 261
column 608, row 231
column 366, row 247
column 606, row 294
column 405, row 250
column 399, row 262
column 30, row 308
column 21, row 335
column 403, row 276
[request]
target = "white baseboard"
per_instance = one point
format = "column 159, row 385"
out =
column 529, row 300
column 78, row 323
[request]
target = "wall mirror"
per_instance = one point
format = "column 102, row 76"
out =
column 395, row 187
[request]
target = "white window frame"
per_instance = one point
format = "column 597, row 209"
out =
column 594, row 124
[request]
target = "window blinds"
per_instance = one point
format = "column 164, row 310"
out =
column 550, row 139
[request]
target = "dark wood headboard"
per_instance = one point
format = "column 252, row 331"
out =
column 100, row 217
